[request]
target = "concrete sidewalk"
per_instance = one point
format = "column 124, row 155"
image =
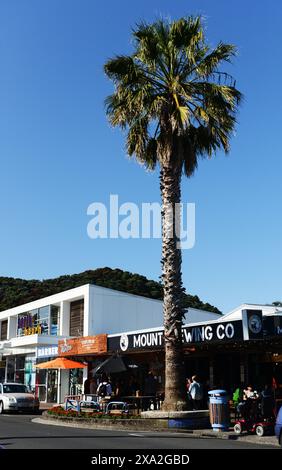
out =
column 244, row 437
column 46, row 406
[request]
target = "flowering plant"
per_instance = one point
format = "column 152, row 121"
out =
column 61, row 412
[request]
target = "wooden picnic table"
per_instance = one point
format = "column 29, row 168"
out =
column 139, row 401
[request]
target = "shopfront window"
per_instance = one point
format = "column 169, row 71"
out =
column 20, row 369
column 11, row 363
column 41, row 321
column 77, row 318
column 76, row 381
column 28, row 323
column 55, row 320
column 16, row 369
column 4, row 330
column 29, row 377
column 2, row 369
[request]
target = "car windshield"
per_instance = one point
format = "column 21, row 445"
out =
column 15, row 388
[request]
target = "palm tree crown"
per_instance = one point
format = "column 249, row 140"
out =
column 170, row 95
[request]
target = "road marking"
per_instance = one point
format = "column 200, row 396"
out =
column 136, row 435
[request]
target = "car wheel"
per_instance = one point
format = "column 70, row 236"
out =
column 259, row 431
column 238, row 428
column 1, row 407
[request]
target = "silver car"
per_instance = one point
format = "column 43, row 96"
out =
column 16, row 397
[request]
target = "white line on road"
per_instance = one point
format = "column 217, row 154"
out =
column 136, row 435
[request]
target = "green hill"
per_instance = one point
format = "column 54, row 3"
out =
column 15, row 291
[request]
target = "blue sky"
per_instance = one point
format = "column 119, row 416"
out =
column 58, row 153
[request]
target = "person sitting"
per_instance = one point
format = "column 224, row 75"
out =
column 249, row 407
column 104, row 388
column 237, row 398
column 248, row 392
column 119, row 390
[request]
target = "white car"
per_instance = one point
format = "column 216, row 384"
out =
column 16, row 397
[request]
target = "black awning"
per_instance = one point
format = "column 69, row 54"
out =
column 111, row 365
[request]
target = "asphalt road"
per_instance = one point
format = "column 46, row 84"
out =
column 17, row 431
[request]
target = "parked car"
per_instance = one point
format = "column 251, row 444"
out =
column 16, row 397
column 278, row 426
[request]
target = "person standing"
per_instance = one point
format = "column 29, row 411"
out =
column 93, row 386
column 86, row 387
column 187, row 387
column 196, row 393
column 187, row 384
column 267, row 402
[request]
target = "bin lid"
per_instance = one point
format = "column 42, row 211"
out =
column 217, row 392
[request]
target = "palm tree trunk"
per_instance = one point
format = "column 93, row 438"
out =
column 170, row 184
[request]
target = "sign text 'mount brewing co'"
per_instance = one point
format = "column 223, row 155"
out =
column 225, row 331
column 84, row 345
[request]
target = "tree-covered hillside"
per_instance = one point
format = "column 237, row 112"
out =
column 14, row 292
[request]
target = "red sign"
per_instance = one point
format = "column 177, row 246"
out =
column 83, row 345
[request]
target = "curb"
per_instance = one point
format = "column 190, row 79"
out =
column 110, row 427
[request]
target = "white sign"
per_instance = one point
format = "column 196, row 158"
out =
column 124, row 342
column 47, row 351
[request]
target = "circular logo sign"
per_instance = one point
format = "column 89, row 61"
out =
column 255, row 324
column 123, row 342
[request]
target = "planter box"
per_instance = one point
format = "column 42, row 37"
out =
column 180, row 419
column 149, row 421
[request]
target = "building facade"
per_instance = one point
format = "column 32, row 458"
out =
column 241, row 347
column 29, row 333
column 92, row 324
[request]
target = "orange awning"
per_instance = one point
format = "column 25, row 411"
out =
column 61, row 363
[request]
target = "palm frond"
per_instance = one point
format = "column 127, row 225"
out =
column 186, row 32
column 209, row 64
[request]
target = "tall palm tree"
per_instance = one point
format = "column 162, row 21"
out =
column 175, row 105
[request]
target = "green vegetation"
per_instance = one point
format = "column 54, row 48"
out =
column 59, row 412
column 15, row 292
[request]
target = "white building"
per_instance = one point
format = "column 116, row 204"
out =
column 29, row 333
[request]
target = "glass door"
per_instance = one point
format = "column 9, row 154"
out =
column 52, row 385
column 40, row 385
